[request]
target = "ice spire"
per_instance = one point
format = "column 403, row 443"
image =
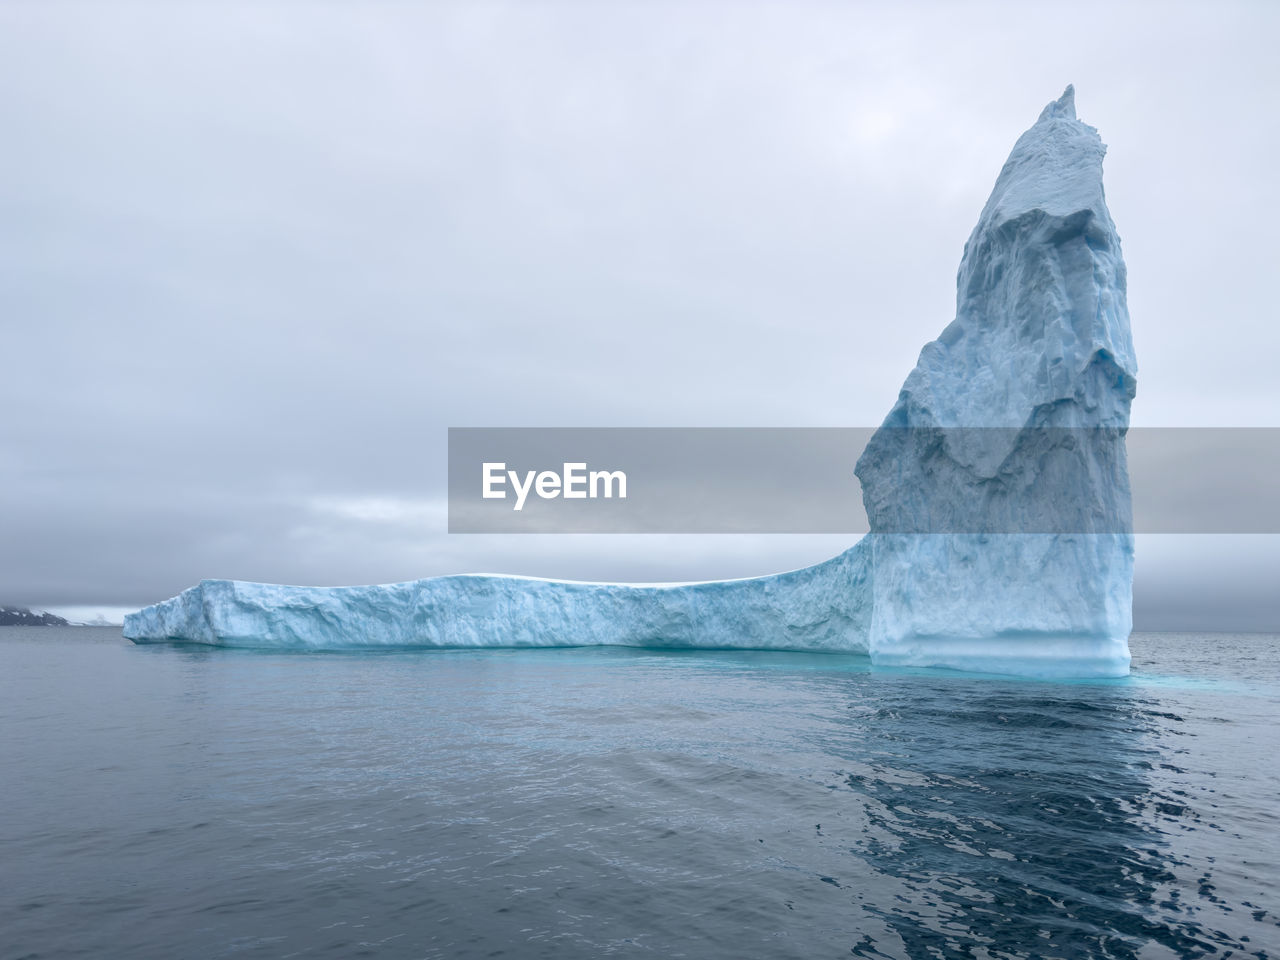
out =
column 1021, row 532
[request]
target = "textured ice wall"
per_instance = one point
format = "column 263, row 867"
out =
column 1040, row 347
column 820, row 608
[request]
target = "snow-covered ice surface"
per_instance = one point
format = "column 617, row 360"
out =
column 1040, row 340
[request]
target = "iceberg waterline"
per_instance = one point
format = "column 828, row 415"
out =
column 1040, row 339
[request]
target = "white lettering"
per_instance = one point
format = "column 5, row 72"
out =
column 521, row 491
column 575, row 473
column 493, row 474
column 609, row 476
column 548, row 484
column 574, row 483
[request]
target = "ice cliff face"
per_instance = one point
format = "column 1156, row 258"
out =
column 997, row 491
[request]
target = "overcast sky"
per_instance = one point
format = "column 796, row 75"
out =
column 255, row 259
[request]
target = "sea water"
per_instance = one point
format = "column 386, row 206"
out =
column 592, row 802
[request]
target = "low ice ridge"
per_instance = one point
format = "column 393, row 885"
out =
column 818, row 608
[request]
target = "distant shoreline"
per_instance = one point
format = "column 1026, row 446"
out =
column 14, row 616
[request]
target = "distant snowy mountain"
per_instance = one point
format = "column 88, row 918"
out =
column 22, row 617
column 99, row 621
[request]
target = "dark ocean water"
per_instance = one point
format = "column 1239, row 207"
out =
column 175, row 802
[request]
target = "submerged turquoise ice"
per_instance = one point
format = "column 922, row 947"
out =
column 1040, row 347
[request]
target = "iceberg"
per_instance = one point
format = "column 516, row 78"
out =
column 996, row 488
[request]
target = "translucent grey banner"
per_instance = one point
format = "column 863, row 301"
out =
column 919, row 480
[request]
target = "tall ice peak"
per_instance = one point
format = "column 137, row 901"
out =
column 1037, row 576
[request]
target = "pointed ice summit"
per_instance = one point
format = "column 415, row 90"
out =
column 997, row 490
